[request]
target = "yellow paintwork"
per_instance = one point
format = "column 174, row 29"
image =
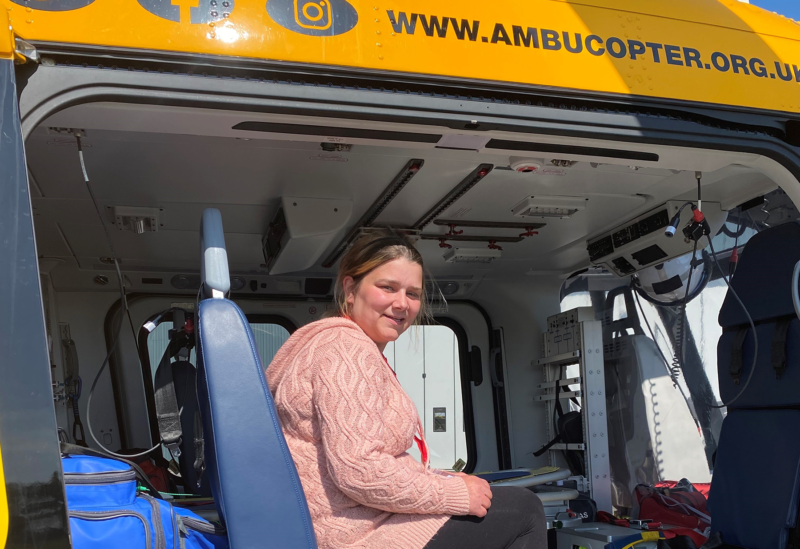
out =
column 6, row 39
column 3, row 507
column 708, row 26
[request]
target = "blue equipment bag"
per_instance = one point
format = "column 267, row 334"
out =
column 106, row 510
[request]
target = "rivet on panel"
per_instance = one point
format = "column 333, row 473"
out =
column 378, row 44
column 377, row 32
column 380, row 57
column 392, row 34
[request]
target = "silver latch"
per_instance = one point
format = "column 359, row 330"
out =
column 26, row 50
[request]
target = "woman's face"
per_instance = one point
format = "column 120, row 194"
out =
column 387, row 301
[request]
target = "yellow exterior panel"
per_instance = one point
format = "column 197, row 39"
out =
column 720, row 52
column 6, row 38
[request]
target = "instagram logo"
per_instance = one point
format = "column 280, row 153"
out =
column 313, row 15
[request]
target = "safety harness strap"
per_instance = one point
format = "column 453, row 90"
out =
column 779, row 338
column 167, row 411
column 737, row 353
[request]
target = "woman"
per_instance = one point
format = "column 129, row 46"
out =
column 349, row 424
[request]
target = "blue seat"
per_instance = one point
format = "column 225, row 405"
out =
column 756, row 485
column 253, row 478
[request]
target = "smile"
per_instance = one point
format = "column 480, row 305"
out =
column 395, row 319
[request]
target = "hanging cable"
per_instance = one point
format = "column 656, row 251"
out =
column 678, row 359
column 123, row 312
column 734, row 259
column 752, row 327
column 664, row 358
column 695, row 230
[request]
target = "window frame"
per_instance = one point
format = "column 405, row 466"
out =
column 144, row 360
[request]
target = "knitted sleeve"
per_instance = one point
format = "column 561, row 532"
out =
column 350, row 408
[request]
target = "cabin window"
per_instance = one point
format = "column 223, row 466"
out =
column 269, row 332
column 269, row 337
column 427, row 362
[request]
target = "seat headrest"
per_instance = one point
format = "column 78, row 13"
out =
column 763, row 278
column 214, row 276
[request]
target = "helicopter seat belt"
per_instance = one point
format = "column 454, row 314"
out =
column 737, row 354
column 779, row 340
column 167, row 412
column 168, row 407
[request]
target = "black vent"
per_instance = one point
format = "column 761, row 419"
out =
column 318, row 286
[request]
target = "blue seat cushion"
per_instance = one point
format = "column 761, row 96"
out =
column 252, row 474
column 765, row 389
column 764, row 277
column 756, row 485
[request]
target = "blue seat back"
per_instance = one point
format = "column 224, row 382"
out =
column 756, row 485
column 253, row 478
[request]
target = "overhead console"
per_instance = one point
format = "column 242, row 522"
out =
column 642, row 242
column 301, row 231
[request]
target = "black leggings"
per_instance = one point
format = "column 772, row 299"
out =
column 514, row 521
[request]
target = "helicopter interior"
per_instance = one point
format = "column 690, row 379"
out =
column 513, row 228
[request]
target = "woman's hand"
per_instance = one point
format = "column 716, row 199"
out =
column 480, row 495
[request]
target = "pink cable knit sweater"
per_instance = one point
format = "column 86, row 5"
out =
column 349, row 424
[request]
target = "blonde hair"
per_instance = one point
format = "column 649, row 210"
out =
column 369, row 252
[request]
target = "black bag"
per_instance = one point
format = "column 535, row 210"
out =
column 570, row 431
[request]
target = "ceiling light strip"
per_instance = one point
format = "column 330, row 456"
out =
column 471, row 238
column 460, row 190
column 401, row 180
column 487, row 224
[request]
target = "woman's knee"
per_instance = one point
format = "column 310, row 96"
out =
column 534, row 507
column 525, row 505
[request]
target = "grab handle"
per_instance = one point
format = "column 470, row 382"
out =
column 795, row 289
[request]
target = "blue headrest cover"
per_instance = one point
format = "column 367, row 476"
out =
column 253, row 478
column 763, row 278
